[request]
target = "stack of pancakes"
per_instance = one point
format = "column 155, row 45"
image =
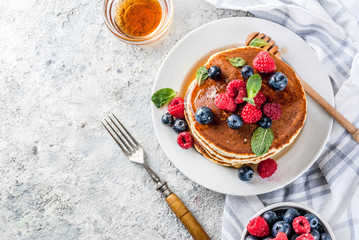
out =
column 229, row 147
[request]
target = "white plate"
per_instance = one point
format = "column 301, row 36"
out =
column 233, row 31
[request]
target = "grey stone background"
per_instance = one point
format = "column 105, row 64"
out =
column 61, row 176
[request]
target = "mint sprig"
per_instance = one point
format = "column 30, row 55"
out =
column 257, row 42
column 236, row 61
column 261, row 141
column 163, row 96
column 254, row 84
column 201, row 75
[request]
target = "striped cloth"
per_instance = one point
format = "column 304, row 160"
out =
column 330, row 186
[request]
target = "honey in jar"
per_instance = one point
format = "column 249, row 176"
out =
column 138, row 18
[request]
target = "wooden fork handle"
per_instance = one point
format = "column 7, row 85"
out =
column 331, row 110
column 186, row 217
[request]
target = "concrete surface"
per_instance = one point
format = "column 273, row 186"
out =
column 61, row 176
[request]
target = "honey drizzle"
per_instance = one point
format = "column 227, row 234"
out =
column 138, row 18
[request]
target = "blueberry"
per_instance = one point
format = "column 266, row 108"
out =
column 247, row 71
column 301, row 212
column 245, row 173
column 214, row 72
column 294, row 236
column 268, row 238
column 270, row 217
column 290, row 214
column 265, row 122
column 278, row 81
column 250, row 237
column 204, row 115
column 281, row 226
column 180, row 125
column 315, row 234
column 319, row 228
column 234, row 121
column 167, row 119
column 325, row 236
column 312, row 219
column 280, row 214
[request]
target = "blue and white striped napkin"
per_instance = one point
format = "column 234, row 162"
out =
column 330, row 186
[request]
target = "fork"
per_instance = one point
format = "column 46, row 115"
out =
column 273, row 48
column 133, row 150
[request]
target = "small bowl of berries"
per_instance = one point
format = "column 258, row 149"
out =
column 288, row 221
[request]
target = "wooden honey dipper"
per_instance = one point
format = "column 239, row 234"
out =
column 273, row 48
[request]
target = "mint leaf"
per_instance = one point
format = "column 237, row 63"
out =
column 254, row 84
column 249, row 100
column 201, row 75
column 261, row 141
column 163, row 96
column 257, row 42
column 236, row 61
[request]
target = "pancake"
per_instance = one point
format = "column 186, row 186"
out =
column 226, row 146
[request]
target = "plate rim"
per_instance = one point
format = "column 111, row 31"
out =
column 153, row 109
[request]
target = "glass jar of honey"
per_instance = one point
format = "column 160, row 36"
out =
column 138, row 21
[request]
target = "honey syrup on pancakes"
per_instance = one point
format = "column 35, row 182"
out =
column 138, row 18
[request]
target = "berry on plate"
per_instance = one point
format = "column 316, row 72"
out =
column 301, row 225
column 306, row 236
column 180, row 125
column 270, row 217
column 176, row 107
column 259, row 99
column 264, row 63
column 265, row 122
column 267, row 168
column 281, row 236
column 315, row 234
column 258, row 227
column 247, row 71
column 312, row 219
column 185, row 140
column 319, row 228
column 281, row 226
column 204, row 115
column 290, row 214
column 278, row 81
column 245, row 173
column 251, row 114
column 234, row 121
column 272, row 110
column 214, row 72
column 234, row 87
column 280, row 213
column 167, row 119
column 224, row 102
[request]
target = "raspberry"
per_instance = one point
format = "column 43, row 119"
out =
column 185, row 140
column 176, row 107
column 236, row 89
column 241, row 94
column 251, row 114
column 267, row 168
column 301, row 225
column 281, row 236
column 259, row 99
column 224, row 102
column 272, row 110
column 306, row 236
column 234, row 86
column 258, row 227
column 264, row 63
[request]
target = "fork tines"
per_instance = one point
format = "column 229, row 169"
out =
column 270, row 47
column 119, row 133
